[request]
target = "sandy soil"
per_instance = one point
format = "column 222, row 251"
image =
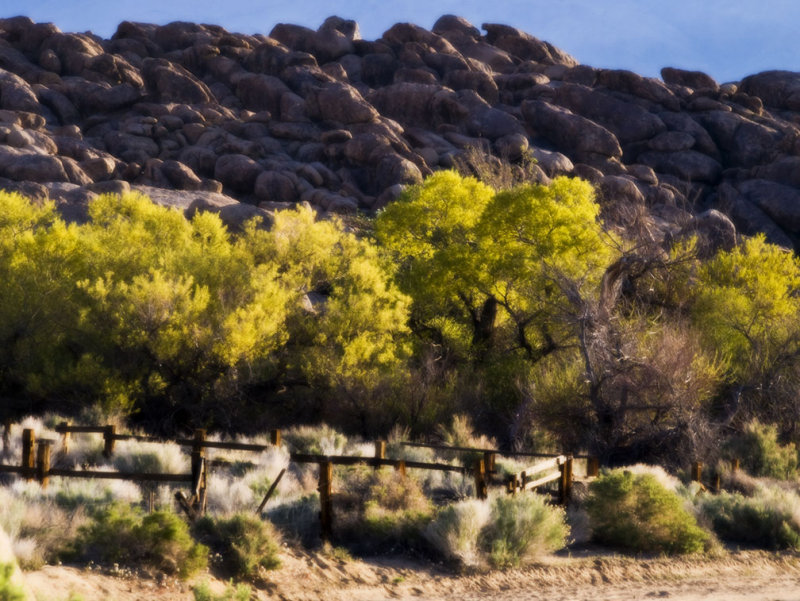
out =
column 739, row 576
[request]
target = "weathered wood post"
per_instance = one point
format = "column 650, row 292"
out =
column 199, row 471
column 511, row 485
column 380, row 451
column 570, row 476
column 400, row 468
column 735, row 466
column 489, row 463
column 109, row 442
column 28, row 459
column 565, row 481
column 479, row 471
column 275, row 437
column 325, row 500
column 6, row 435
column 697, row 472
column 43, row 462
column 65, row 437
column 523, row 481
column 592, row 467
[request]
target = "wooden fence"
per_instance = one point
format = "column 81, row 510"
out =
column 36, row 464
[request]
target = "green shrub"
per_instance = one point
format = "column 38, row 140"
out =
column 770, row 519
column 121, row 534
column 456, row 529
column 520, row 527
column 8, row 590
column 636, row 512
column 245, row 544
column 241, row 592
column 298, row 519
column 380, row 510
column 760, row 454
column 505, row 531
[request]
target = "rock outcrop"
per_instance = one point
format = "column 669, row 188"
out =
column 202, row 118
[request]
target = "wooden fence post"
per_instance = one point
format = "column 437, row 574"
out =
column 275, row 437
column 592, row 467
column 400, row 468
column 43, row 462
column 199, row 472
column 511, row 485
column 109, row 442
column 270, row 491
column 325, row 500
column 479, row 471
column 565, row 482
column 28, row 459
column 735, row 466
column 6, row 435
column 697, row 472
column 380, row 451
column 65, row 437
column 489, row 463
column 523, row 480
column 717, row 483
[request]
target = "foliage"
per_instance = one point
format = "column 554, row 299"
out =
column 121, row 534
column 746, row 308
column 768, row 520
column 636, row 512
column 149, row 311
column 9, row 591
column 241, row 592
column 759, row 452
column 521, row 527
column 456, row 530
column 246, row 545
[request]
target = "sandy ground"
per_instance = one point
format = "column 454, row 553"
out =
column 739, row 576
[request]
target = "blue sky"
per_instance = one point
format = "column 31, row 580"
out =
column 726, row 38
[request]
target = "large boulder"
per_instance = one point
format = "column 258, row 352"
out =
column 261, row 92
column 341, row 103
column 169, row 82
column 646, row 88
column 418, row 104
column 525, row 46
column 237, row 171
column 743, row 142
column 29, row 164
column 627, row 121
column 696, row 80
column 781, row 203
column 688, row 165
column 571, row 133
column 780, row 89
column 16, row 94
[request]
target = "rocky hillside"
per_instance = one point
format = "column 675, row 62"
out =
column 197, row 116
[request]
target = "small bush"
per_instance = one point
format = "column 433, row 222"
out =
column 120, row 534
column 636, row 512
column 770, row 519
column 8, row 590
column 381, row 510
column 298, row 519
column 245, row 544
column 315, row 440
column 759, row 452
column 504, row 531
column 521, row 527
column 456, row 530
column 203, row 592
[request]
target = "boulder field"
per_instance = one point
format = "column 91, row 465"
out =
column 199, row 117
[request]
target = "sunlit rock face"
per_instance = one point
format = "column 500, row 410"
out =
column 212, row 118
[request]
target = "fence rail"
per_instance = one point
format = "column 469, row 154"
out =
column 35, row 464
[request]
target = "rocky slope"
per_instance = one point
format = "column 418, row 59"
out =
column 196, row 116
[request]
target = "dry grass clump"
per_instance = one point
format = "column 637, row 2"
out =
column 769, row 519
column 504, row 531
column 245, row 545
